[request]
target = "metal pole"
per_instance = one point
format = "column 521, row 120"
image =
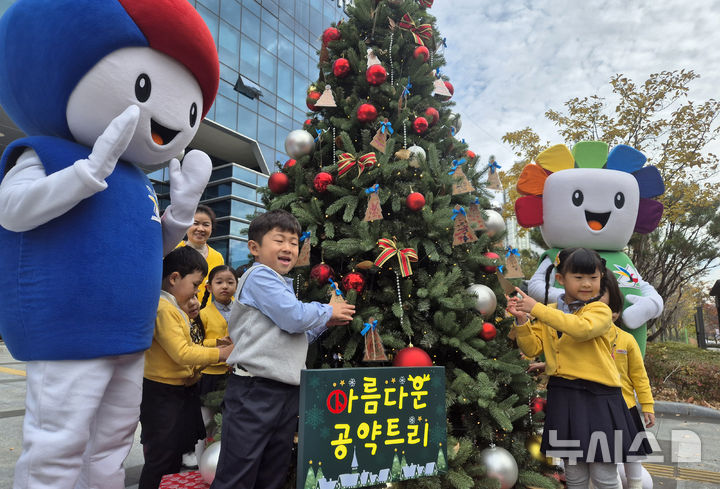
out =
column 700, row 327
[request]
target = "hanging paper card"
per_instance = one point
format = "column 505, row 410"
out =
column 379, row 142
column 462, row 234
column 326, row 99
column 372, row 59
column 402, row 154
column 512, row 264
column 474, row 217
column 336, row 296
column 304, row 255
column 374, row 211
column 439, row 88
column 493, row 181
column 506, row 285
column 374, row 348
column 461, row 184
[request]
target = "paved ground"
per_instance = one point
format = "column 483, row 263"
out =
column 689, row 438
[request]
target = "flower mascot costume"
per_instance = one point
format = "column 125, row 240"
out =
column 104, row 89
column 589, row 198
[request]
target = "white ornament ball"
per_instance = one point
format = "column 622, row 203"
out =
column 486, row 302
column 417, row 153
column 494, row 222
column 207, row 465
column 455, row 122
column 500, row 465
column 299, row 143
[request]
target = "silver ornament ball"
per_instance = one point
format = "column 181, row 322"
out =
column 455, row 122
column 500, row 465
column 416, row 152
column 299, row 143
column 485, row 302
column 207, row 465
column 494, row 222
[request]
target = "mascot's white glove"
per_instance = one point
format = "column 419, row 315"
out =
column 642, row 310
column 109, row 146
column 187, row 183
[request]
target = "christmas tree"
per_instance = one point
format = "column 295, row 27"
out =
column 392, row 205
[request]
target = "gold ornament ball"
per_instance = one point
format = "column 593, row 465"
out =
column 533, row 446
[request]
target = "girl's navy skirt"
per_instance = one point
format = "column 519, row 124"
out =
column 589, row 422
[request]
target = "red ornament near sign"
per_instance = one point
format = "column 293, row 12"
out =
column 412, row 356
column 420, row 125
column 278, row 182
column 308, row 122
column 367, row 113
column 537, row 404
column 450, row 88
column 470, row 154
column 330, row 34
column 421, row 51
column 290, row 163
column 488, row 331
column 353, row 281
column 376, row 75
column 321, row 181
column 321, row 273
column 415, row 201
column 341, row 68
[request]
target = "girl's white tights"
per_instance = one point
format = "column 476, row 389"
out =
column 603, row 475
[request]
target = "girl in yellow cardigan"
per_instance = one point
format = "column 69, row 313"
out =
column 634, row 378
column 214, row 314
column 585, row 406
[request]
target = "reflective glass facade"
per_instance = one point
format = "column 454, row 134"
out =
column 272, row 44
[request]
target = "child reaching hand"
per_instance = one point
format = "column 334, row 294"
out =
column 170, row 407
column 585, row 407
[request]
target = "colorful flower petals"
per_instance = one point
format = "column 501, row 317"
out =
column 590, row 154
column 556, row 158
column 532, row 180
column 625, row 158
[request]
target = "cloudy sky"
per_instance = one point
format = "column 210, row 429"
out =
column 510, row 61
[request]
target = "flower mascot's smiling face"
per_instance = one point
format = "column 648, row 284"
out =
column 589, row 198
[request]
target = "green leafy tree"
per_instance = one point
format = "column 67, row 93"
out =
column 674, row 132
column 487, row 384
column 395, row 471
column 310, row 480
column 441, row 464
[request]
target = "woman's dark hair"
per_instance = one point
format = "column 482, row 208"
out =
column 615, row 297
column 203, row 209
column 184, row 260
column 576, row 260
column 211, row 276
column 264, row 223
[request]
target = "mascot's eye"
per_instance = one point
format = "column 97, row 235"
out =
column 619, row 200
column 193, row 114
column 577, row 198
column 142, row 88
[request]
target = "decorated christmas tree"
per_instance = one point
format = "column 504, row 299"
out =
column 395, row 220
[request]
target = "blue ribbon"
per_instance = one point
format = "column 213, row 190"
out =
column 319, row 132
column 304, row 236
column 455, row 164
column 452, row 130
column 501, row 268
column 406, row 90
column 372, row 189
column 494, row 166
column 368, row 327
column 444, row 42
column 462, row 140
column 457, row 212
column 477, row 201
column 335, row 287
column 437, row 73
column 512, row 251
column 386, row 125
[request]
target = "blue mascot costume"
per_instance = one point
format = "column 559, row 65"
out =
column 104, row 89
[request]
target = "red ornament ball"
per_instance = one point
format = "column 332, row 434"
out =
column 278, row 182
column 421, row 51
column 321, row 273
column 311, row 99
column 341, row 68
column 354, row 281
column 415, row 201
column 470, row 154
column 412, row 356
column 330, row 34
column 290, row 163
column 450, row 88
column 488, row 331
column 367, row 113
column 490, row 268
column 376, row 75
column 432, row 115
column 420, row 125
column 322, row 180
column 537, row 404
column 308, row 122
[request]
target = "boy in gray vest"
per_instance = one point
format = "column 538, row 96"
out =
column 271, row 330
